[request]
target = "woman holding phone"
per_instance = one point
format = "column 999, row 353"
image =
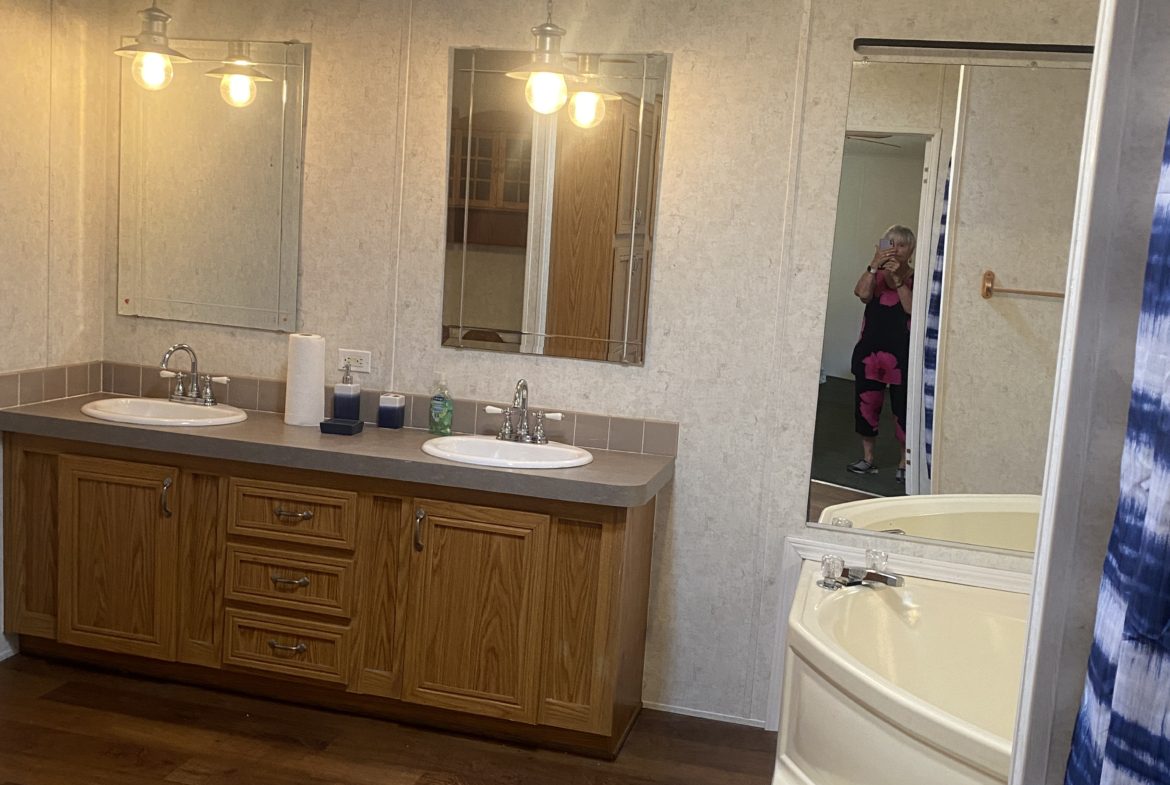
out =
column 881, row 356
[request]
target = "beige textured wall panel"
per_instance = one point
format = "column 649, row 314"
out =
column 24, row 183
column 78, row 143
column 1013, row 210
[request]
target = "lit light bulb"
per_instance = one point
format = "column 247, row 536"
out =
column 152, row 70
column 238, row 90
column 586, row 109
column 546, row 92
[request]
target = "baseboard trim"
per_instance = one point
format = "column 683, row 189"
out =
column 704, row 715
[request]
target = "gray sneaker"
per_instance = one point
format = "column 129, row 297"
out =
column 862, row 467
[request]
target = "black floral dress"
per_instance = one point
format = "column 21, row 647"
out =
column 881, row 359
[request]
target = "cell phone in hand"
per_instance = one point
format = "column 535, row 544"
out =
column 885, row 244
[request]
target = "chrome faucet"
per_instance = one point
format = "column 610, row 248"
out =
column 196, row 390
column 521, row 432
column 836, row 575
column 520, row 405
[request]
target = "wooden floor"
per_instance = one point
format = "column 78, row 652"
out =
column 65, row 725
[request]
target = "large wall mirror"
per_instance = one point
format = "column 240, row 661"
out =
column 935, row 380
column 550, row 228
column 209, row 202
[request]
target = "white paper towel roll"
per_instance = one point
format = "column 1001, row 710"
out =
column 304, row 396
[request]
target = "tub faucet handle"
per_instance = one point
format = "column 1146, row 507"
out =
column 832, row 572
column 875, row 559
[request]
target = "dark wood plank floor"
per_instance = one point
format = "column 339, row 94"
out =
column 66, row 725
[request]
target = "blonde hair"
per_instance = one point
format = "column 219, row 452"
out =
column 903, row 233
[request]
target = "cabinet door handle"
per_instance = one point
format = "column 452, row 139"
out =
column 164, row 498
column 302, row 582
column 300, row 648
column 306, row 515
column 419, row 516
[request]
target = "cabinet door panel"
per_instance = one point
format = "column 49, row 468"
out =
column 474, row 631
column 30, row 542
column 118, row 553
column 578, row 626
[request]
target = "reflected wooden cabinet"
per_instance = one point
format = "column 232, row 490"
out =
column 474, row 629
column 490, row 174
column 117, row 556
column 521, row 618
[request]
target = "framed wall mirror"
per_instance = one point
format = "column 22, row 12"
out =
column 933, row 384
column 550, row 226
column 209, row 199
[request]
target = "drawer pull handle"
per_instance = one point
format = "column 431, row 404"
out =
column 300, row 648
column 419, row 516
column 306, row 515
column 301, row 582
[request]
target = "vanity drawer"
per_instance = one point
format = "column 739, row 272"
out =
column 292, row 513
column 290, row 647
column 318, row 584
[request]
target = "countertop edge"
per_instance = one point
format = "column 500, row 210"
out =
column 206, row 443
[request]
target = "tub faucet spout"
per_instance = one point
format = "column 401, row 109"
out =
column 882, row 576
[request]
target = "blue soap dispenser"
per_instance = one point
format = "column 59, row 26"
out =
column 347, row 398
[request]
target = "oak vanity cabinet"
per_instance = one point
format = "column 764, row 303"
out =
column 516, row 617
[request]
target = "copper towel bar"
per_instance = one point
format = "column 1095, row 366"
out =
column 989, row 288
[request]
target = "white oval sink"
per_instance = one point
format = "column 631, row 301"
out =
column 490, row 451
column 156, row 411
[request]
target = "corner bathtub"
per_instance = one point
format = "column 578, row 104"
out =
column 991, row 520
column 915, row 685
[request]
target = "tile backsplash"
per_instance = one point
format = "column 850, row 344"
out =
column 595, row 431
column 47, row 384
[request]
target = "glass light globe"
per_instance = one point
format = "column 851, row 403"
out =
column 546, row 92
column 586, row 110
column 152, row 70
column 238, row 90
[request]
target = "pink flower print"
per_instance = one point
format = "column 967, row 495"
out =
column 882, row 367
column 871, row 406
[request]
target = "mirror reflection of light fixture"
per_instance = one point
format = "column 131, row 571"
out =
column 238, row 76
column 152, row 53
column 587, row 102
column 545, row 90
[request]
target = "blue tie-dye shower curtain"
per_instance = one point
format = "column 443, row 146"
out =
column 933, row 316
column 1122, row 734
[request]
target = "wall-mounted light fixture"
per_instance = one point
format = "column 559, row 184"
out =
column 545, row 90
column 152, row 53
column 587, row 100
column 238, row 75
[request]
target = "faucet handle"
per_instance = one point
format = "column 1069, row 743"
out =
column 538, row 436
column 505, row 433
column 489, row 409
column 164, row 373
column 221, row 379
column 875, row 559
column 553, row 415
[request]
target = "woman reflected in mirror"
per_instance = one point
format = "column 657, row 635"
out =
column 881, row 356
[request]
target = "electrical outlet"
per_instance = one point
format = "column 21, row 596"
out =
column 359, row 361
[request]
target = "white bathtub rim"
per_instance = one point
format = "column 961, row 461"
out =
column 942, row 730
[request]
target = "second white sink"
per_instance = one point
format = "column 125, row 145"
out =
column 156, row 411
column 490, row 451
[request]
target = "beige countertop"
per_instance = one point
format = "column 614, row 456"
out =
column 618, row 479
